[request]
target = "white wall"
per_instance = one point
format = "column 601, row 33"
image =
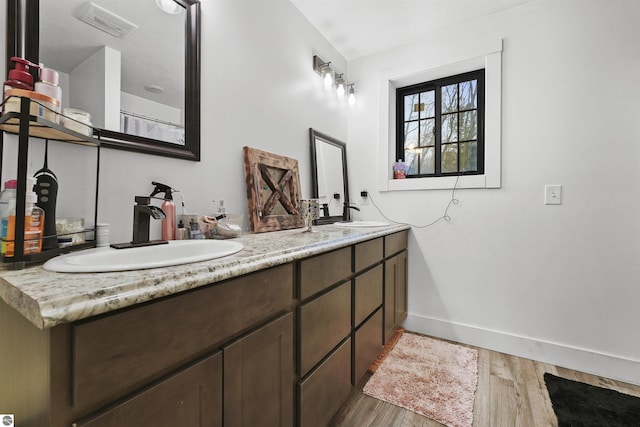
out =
column 553, row 283
column 258, row 90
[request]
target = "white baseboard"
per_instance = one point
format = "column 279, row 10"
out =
column 579, row 359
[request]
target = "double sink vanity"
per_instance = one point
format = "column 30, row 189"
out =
column 277, row 334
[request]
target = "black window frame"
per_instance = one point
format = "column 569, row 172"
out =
column 436, row 86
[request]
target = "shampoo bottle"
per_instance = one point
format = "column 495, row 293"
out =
column 169, row 208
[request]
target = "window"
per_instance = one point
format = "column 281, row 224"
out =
column 440, row 126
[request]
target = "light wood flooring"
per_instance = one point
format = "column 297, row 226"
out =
column 511, row 393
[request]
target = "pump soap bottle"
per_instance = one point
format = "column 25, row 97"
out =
column 169, row 208
column 19, row 76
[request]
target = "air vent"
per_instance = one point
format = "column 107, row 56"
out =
column 106, row 21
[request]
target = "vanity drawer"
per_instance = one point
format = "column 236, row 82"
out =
column 394, row 243
column 368, row 343
column 116, row 354
column 320, row 272
column 324, row 391
column 368, row 253
column 190, row 397
column 368, row 293
column 324, row 322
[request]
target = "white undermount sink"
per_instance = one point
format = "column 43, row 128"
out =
column 359, row 224
column 100, row 260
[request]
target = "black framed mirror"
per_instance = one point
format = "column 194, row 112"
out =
column 23, row 39
column 329, row 177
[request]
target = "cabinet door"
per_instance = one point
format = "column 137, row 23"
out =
column 259, row 377
column 368, row 343
column 191, row 397
column 401, row 288
column 325, row 389
column 368, row 294
column 395, row 293
column 324, row 323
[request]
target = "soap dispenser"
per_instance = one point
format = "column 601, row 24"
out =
column 19, row 77
column 169, row 208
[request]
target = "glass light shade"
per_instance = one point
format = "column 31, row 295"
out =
column 352, row 97
column 340, row 90
column 328, row 78
column 169, row 6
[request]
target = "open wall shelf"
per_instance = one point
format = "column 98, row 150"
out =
column 27, row 126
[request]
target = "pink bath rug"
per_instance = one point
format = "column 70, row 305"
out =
column 433, row 378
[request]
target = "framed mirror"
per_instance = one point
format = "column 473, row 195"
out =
column 329, row 177
column 154, row 105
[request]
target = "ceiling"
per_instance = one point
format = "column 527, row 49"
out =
column 354, row 27
column 361, row 27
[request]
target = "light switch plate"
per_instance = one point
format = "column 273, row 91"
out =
column 553, row 194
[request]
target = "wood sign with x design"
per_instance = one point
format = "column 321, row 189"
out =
column 279, row 193
column 273, row 191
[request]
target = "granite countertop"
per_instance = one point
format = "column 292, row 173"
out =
column 48, row 299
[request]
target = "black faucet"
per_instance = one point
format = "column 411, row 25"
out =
column 325, row 209
column 346, row 212
column 143, row 211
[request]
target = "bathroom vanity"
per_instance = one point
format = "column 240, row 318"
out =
column 277, row 334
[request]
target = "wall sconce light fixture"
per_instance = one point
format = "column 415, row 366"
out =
column 324, row 69
column 327, row 72
column 352, row 95
column 340, row 83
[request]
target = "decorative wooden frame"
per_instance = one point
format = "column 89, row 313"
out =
column 273, row 191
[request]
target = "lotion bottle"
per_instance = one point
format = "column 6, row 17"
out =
column 33, row 224
column 169, row 208
column 7, row 194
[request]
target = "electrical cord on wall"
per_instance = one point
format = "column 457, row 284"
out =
column 445, row 215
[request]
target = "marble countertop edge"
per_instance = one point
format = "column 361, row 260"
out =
column 48, row 299
column 22, row 303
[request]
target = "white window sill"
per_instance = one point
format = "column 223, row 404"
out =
column 439, row 183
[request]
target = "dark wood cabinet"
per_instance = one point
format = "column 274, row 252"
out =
column 324, row 322
column 340, row 326
column 166, row 362
column 323, row 391
column 117, row 354
column 368, row 253
column 395, row 291
column 323, row 271
column 259, row 377
column 367, row 294
column 190, row 397
column 367, row 345
column 277, row 347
